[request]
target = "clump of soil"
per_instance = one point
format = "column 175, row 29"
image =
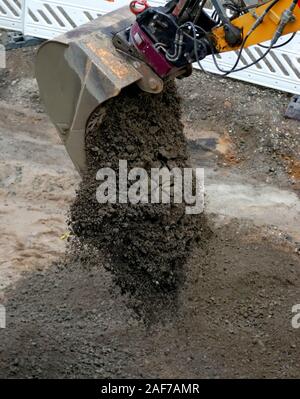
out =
column 147, row 243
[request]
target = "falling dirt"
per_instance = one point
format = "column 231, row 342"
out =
column 148, row 243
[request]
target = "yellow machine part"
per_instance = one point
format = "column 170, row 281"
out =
column 265, row 31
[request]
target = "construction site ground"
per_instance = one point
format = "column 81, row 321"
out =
column 232, row 316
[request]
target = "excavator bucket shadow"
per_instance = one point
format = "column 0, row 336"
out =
column 81, row 70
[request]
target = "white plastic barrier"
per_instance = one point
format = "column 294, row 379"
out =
column 11, row 14
column 48, row 18
column 279, row 70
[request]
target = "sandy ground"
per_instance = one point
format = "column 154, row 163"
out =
column 37, row 183
column 232, row 315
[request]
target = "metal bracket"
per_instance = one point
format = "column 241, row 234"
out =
column 293, row 111
column 233, row 35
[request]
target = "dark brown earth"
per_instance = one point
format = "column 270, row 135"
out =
column 228, row 319
column 250, row 120
column 150, row 241
column 90, row 314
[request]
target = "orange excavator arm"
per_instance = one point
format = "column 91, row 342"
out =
column 276, row 20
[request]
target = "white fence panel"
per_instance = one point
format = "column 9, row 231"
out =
column 11, row 14
column 280, row 69
column 49, row 18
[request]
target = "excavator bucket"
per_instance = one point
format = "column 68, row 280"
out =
column 81, row 70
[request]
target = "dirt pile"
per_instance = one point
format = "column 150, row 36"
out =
column 231, row 319
column 147, row 243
